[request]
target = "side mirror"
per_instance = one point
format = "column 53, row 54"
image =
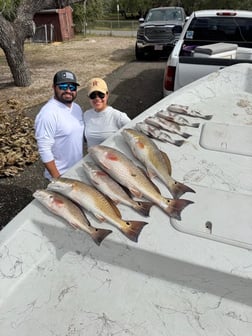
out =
column 141, row 20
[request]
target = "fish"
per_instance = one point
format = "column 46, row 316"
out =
column 171, row 116
column 184, row 109
column 66, row 209
column 97, row 203
column 104, row 183
column 156, row 161
column 166, row 125
column 128, row 174
column 157, row 133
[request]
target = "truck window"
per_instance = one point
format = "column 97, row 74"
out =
column 220, row 29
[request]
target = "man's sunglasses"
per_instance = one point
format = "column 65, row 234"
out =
column 65, row 86
column 95, row 94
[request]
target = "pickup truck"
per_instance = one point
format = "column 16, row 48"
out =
column 210, row 40
column 159, row 31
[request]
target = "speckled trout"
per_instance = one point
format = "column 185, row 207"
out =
column 66, row 209
column 97, row 203
column 166, row 125
column 186, row 110
column 157, row 133
column 103, row 182
column 123, row 170
column 156, row 162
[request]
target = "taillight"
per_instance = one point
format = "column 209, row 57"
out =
column 169, row 78
column 226, row 13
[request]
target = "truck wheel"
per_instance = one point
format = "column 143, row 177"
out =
column 139, row 53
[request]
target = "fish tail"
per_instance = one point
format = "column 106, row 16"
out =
column 208, row 117
column 175, row 207
column 99, row 234
column 177, row 189
column 143, row 208
column 178, row 142
column 186, row 135
column 196, row 125
column 133, row 229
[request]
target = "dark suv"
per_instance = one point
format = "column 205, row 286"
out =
column 159, row 31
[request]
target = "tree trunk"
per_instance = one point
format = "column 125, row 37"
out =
column 12, row 43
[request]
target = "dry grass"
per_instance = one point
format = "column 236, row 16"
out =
column 86, row 57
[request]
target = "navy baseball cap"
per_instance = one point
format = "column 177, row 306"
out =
column 64, row 76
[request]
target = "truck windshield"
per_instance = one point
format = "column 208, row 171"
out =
column 164, row 15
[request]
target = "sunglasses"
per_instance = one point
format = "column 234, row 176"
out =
column 95, row 94
column 65, row 86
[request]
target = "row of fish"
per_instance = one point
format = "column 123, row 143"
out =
column 115, row 179
column 170, row 121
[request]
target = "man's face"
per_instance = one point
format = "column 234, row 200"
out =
column 65, row 92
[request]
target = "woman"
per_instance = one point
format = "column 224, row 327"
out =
column 102, row 120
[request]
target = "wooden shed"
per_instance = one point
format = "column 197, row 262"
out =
column 54, row 25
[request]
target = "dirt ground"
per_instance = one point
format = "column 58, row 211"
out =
column 86, row 57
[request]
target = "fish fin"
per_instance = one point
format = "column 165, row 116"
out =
column 167, row 162
column 113, row 205
column 136, row 193
column 151, row 174
column 133, row 229
column 185, row 135
column 99, row 234
column 177, row 189
column 143, row 207
column 99, row 217
column 175, row 206
column 75, row 226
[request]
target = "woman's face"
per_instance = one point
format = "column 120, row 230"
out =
column 98, row 100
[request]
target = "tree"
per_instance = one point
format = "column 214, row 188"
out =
column 89, row 10
column 16, row 25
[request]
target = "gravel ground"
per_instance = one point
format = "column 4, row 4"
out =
column 134, row 86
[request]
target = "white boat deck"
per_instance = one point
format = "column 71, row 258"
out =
column 188, row 277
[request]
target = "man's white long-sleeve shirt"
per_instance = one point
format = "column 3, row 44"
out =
column 59, row 134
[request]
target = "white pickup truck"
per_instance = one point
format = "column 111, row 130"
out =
column 210, row 40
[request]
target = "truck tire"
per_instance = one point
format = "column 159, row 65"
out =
column 139, row 53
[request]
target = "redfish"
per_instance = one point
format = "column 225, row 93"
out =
column 156, row 162
column 104, row 183
column 124, row 171
column 65, row 208
column 98, row 204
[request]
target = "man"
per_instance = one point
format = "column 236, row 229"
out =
column 59, row 127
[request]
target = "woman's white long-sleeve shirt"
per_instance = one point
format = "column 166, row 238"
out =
column 59, row 134
column 100, row 125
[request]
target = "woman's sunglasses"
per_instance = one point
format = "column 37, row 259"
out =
column 65, row 86
column 95, row 94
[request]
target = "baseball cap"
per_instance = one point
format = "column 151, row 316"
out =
column 64, row 76
column 97, row 84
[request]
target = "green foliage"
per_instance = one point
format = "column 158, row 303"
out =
column 90, row 13
column 8, row 8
